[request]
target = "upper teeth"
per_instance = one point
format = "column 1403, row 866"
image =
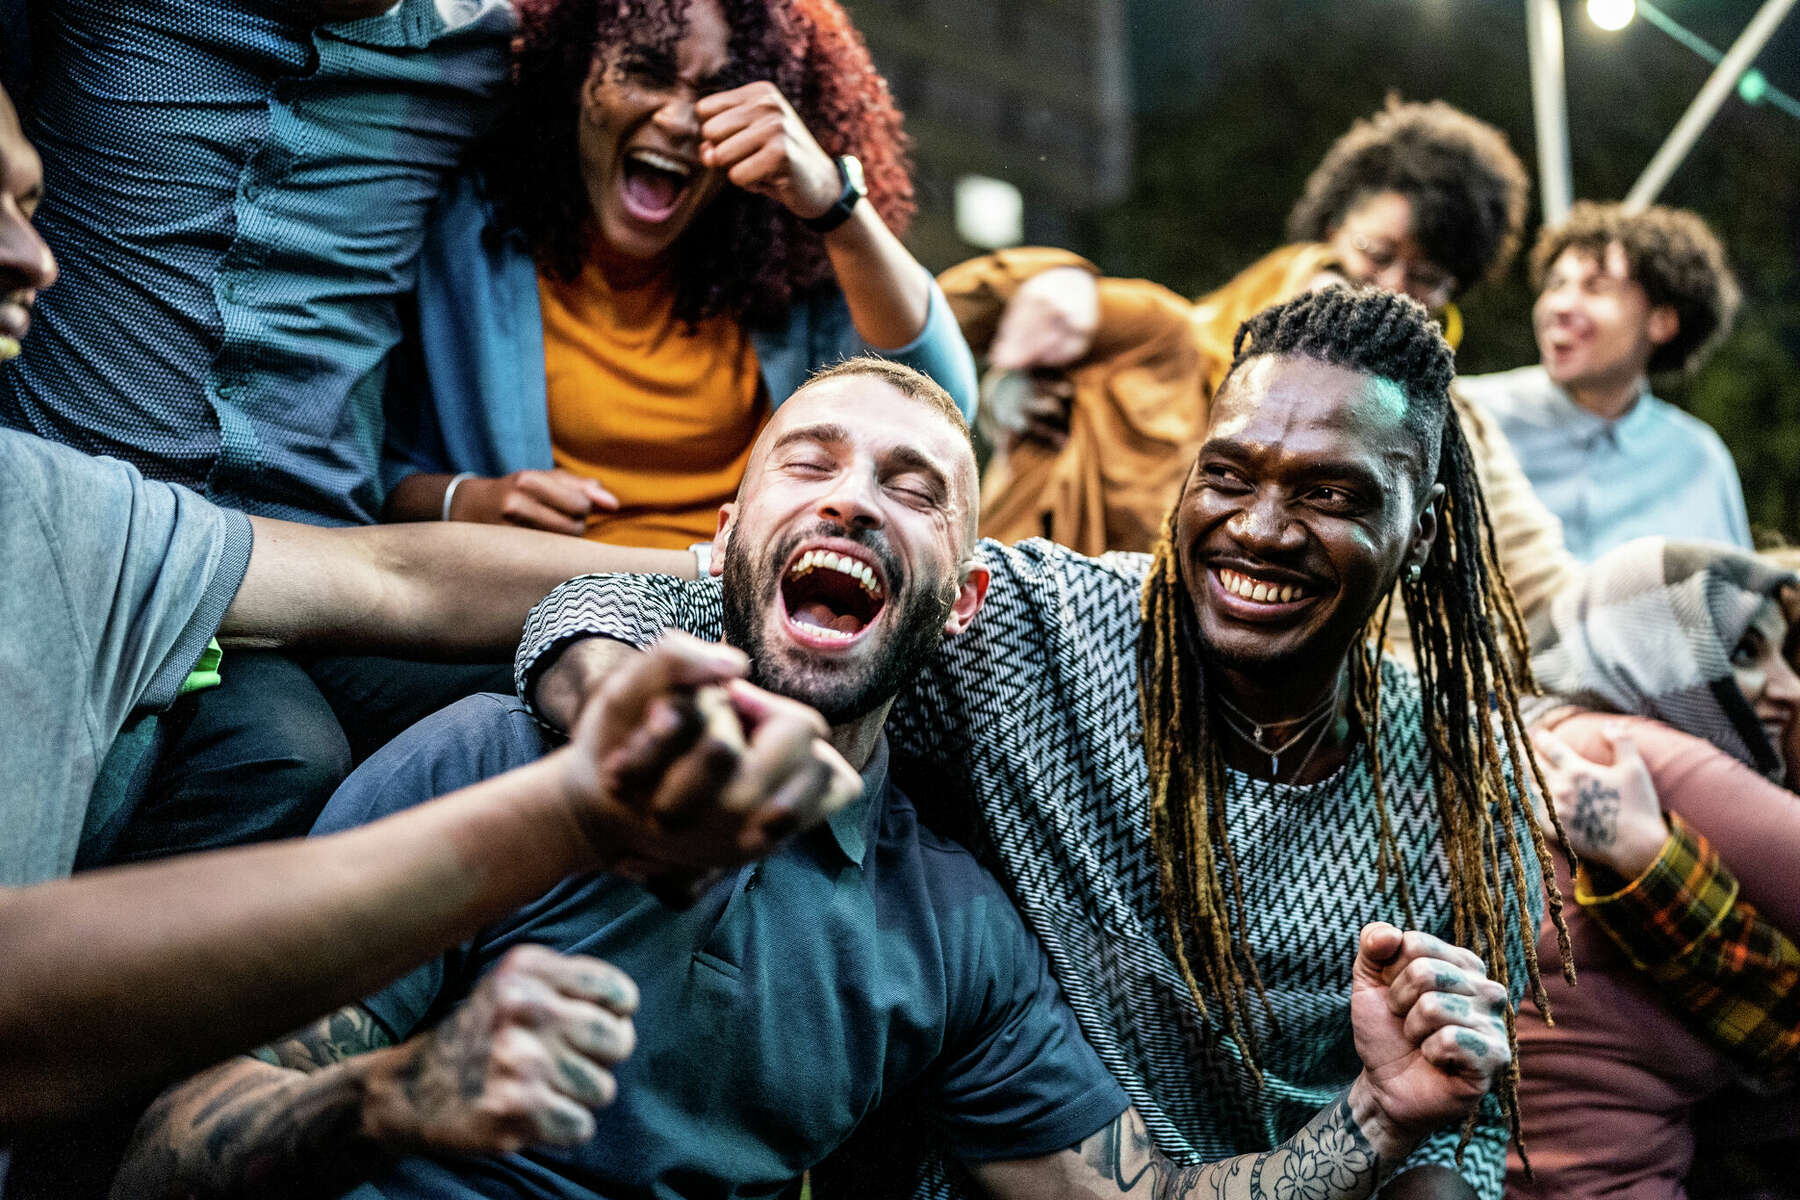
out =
column 842, row 563
column 661, row 162
column 1251, row 589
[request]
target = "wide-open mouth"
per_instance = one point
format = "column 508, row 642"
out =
column 831, row 597
column 654, row 183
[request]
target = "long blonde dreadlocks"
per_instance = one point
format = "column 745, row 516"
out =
column 1471, row 648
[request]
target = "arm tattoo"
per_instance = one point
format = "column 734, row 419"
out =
column 349, row 1031
column 280, row 1123
column 1330, row 1159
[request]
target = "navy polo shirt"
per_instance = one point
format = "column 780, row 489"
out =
column 865, row 958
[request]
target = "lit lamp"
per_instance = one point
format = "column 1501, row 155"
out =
column 1611, row 14
column 990, row 213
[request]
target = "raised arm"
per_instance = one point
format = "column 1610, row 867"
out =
column 1431, row 1031
column 444, row 590
column 754, row 135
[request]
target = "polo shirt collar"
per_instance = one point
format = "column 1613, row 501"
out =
column 1640, row 420
column 855, row 824
column 1636, row 420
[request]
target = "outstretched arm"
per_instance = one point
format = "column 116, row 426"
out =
column 1431, row 1032
column 226, row 950
column 442, row 590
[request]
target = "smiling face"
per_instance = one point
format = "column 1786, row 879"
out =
column 1768, row 681
column 1375, row 243
column 1595, row 326
column 846, row 555
column 26, row 265
column 1304, row 505
column 639, row 139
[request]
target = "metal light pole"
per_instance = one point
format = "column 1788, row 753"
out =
column 1550, row 106
column 1705, row 106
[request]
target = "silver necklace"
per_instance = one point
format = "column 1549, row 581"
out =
column 1256, row 733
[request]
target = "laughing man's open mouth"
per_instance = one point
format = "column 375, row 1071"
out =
column 831, row 598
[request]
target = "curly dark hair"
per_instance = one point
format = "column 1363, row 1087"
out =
column 1471, row 652
column 1672, row 255
column 743, row 254
column 1466, row 186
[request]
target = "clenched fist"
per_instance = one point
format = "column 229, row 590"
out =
column 520, row 1063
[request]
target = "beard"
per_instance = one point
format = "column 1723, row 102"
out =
column 841, row 689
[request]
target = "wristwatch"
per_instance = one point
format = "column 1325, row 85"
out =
column 851, row 172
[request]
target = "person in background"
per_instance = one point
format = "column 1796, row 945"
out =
column 1669, row 690
column 1419, row 199
column 234, row 260
column 682, row 214
column 1621, row 296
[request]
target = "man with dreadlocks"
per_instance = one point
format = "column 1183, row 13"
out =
column 1195, row 777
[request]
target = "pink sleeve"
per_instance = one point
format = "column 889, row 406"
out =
column 1753, row 824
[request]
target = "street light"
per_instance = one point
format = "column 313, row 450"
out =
column 1611, row 14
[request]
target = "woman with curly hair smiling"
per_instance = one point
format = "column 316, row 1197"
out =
column 688, row 206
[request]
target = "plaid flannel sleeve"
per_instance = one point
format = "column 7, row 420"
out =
column 1731, row 973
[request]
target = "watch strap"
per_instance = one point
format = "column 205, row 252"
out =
column 850, row 174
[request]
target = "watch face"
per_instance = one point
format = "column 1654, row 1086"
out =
column 853, row 175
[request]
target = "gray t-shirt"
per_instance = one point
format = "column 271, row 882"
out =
column 111, row 587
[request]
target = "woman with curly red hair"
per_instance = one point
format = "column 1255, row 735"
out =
column 688, row 206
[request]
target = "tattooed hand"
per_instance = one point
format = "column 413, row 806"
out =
column 1611, row 812
column 520, row 1062
column 1431, row 1031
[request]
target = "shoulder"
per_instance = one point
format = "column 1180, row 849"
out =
column 1041, row 583
column 948, row 870
column 31, row 466
column 1522, row 389
column 467, row 244
column 1037, row 560
column 1691, row 428
column 476, row 738
column 105, row 510
column 974, row 919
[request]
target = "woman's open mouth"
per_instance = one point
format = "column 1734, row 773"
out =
column 829, row 600
column 652, row 184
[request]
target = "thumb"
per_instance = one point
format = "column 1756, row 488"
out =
column 1376, row 948
column 674, row 661
column 599, row 497
column 1624, row 747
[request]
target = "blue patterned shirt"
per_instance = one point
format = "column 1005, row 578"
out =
column 237, row 199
